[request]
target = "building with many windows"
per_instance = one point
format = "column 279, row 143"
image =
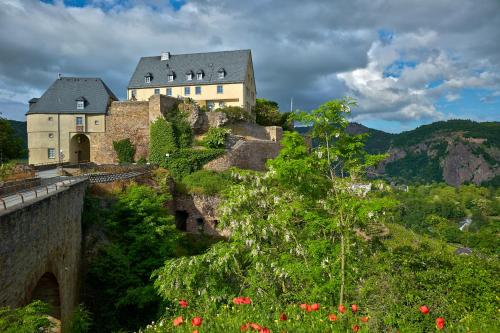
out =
column 213, row 79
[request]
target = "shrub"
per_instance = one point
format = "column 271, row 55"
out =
column 186, row 161
column 207, row 182
column 125, row 150
column 162, row 141
column 26, row 319
column 216, row 137
column 235, row 113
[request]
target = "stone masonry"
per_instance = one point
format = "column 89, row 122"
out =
column 43, row 238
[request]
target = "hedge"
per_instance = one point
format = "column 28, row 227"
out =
column 125, row 150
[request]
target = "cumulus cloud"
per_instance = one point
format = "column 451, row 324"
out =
column 309, row 50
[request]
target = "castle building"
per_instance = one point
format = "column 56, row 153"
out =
column 61, row 121
column 212, row 80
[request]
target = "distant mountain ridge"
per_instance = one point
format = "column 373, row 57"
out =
column 454, row 151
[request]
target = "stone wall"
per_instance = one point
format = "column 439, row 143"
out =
column 42, row 236
column 254, row 131
column 252, row 154
column 128, row 119
column 200, row 214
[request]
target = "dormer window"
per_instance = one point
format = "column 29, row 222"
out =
column 80, row 103
column 189, row 75
column 148, row 78
column 221, row 72
column 170, row 76
column 199, row 75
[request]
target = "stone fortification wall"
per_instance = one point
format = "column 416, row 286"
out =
column 39, row 238
column 252, row 154
column 129, row 119
column 254, row 131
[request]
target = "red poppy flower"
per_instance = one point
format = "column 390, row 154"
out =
column 196, row 321
column 341, row 308
column 183, row 303
column 255, row 326
column 244, row 327
column 177, row 321
column 304, row 306
column 354, row 308
column 196, row 331
column 242, row 300
column 365, row 319
column 440, row 323
column 424, row 309
column 283, row 317
column 355, row 328
column 332, row 317
column 315, row 307
column 264, row 330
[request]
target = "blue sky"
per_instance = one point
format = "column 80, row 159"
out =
column 402, row 61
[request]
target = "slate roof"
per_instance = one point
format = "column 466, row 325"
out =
column 234, row 63
column 62, row 95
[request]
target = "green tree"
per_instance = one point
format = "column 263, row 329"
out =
column 10, row 144
column 267, row 113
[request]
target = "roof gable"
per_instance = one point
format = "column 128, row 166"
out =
column 63, row 94
column 234, row 63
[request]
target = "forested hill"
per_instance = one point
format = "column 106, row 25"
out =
column 453, row 151
column 19, row 128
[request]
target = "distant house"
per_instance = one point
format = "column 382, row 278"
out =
column 213, row 79
column 60, row 122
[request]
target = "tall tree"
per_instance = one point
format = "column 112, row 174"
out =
column 10, row 144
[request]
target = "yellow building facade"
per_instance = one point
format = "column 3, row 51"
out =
column 213, row 80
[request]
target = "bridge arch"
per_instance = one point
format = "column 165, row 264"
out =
column 79, row 148
column 47, row 290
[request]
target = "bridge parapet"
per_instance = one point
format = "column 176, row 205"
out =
column 42, row 238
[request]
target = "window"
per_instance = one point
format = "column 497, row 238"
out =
column 79, row 105
column 51, row 135
column 51, row 152
column 197, row 90
column 50, row 118
column 157, row 91
column 79, row 121
column 169, row 91
column 189, row 76
column 210, row 105
column 170, row 77
column 97, row 122
column 147, row 79
column 133, row 93
column 222, row 104
column 220, row 89
column 221, row 75
column 199, row 76
column 187, row 91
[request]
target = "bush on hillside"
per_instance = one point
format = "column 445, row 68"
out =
column 125, row 150
column 186, row 161
column 216, row 137
column 162, row 141
column 206, row 182
column 236, row 113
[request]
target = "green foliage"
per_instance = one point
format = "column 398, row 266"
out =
column 185, row 161
column 267, row 113
column 125, row 150
column 6, row 169
column 236, row 113
column 216, row 137
column 436, row 210
column 142, row 236
column 162, row 141
column 207, row 182
column 81, row 321
column 11, row 144
column 27, row 319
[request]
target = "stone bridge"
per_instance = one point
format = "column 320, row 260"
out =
column 40, row 251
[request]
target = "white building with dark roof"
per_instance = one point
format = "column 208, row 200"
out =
column 212, row 79
column 60, row 122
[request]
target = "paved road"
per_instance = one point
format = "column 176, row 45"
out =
column 23, row 196
column 50, row 173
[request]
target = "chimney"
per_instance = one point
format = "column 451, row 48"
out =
column 165, row 56
column 59, row 75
